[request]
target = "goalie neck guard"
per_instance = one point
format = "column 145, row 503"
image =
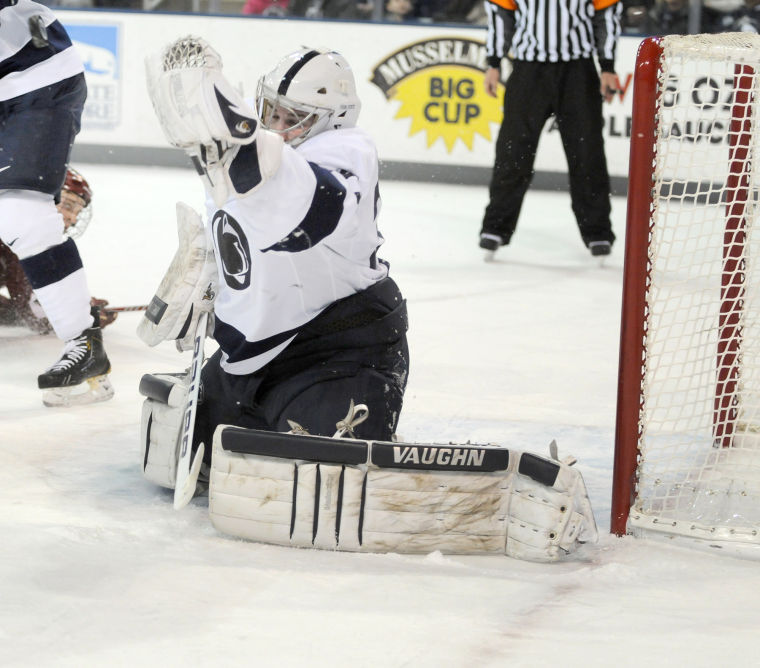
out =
column 311, row 90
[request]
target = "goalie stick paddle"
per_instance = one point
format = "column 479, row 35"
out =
column 187, row 472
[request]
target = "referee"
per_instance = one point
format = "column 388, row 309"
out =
column 551, row 45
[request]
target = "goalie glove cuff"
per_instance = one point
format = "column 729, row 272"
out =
column 235, row 171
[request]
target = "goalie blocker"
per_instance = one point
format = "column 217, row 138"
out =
column 345, row 494
column 187, row 290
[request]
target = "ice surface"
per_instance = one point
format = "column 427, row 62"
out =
column 97, row 569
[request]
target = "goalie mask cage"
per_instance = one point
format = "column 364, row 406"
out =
column 687, row 454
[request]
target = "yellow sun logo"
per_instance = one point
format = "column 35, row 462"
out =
column 439, row 84
column 449, row 103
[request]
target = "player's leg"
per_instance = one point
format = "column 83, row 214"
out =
column 320, row 407
column 52, row 266
column 21, row 307
column 318, row 398
column 579, row 117
column 55, row 272
column 527, row 104
column 225, row 399
column 38, row 131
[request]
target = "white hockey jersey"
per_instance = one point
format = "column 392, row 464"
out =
column 304, row 239
column 24, row 65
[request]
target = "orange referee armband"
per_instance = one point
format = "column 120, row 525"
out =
column 599, row 5
column 506, row 4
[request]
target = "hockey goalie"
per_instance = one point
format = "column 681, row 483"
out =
column 291, row 421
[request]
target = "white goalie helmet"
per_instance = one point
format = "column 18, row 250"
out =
column 311, row 90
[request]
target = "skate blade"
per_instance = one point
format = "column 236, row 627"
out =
column 93, row 390
column 489, row 256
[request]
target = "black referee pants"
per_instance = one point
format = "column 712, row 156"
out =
column 535, row 91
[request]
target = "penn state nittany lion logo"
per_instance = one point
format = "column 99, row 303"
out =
column 232, row 246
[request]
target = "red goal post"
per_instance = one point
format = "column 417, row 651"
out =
column 687, row 453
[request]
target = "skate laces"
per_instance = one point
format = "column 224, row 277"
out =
column 74, row 352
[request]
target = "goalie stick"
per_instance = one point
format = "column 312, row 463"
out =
column 124, row 309
column 187, row 472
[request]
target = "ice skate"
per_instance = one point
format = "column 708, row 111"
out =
column 600, row 250
column 80, row 376
column 490, row 243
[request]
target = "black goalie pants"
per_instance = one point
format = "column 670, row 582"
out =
column 355, row 350
column 534, row 92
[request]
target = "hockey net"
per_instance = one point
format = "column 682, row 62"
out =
column 687, row 460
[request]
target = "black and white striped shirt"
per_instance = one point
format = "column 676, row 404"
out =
column 553, row 30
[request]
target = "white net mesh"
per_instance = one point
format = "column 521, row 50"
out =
column 699, row 467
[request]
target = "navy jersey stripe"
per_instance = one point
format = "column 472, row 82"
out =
column 52, row 265
column 234, row 343
column 295, row 68
column 30, row 55
column 322, row 217
column 245, row 171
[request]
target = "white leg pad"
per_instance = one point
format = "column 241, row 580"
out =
column 352, row 515
column 377, row 508
column 433, row 510
column 537, row 523
column 160, row 427
column 253, row 497
column 330, row 506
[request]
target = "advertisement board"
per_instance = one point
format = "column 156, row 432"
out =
column 421, row 87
